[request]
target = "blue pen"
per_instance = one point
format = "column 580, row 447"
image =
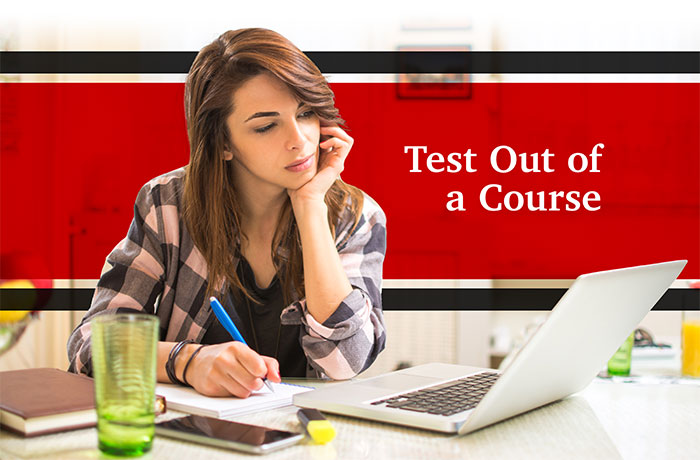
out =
column 225, row 321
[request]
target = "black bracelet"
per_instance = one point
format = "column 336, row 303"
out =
column 170, row 364
column 184, row 373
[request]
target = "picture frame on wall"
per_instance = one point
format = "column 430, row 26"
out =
column 450, row 83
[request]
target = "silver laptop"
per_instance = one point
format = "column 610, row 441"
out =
column 582, row 332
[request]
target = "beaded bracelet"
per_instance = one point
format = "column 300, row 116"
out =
column 170, row 364
column 184, row 373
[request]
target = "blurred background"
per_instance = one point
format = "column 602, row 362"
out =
column 481, row 338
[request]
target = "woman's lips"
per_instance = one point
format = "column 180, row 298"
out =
column 302, row 164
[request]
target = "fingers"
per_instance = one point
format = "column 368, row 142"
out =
column 250, row 360
column 228, row 386
column 336, row 133
column 337, row 146
column 219, row 382
column 273, row 369
column 336, row 149
column 241, row 381
column 248, row 367
column 231, row 368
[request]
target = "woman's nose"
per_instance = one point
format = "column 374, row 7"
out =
column 295, row 137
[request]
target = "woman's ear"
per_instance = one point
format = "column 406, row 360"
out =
column 228, row 152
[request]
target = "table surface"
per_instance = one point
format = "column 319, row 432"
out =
column 655, row 417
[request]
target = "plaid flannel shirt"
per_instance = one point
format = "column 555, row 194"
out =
column 157, row 269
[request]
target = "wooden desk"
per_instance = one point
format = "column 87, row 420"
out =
column 606, row 420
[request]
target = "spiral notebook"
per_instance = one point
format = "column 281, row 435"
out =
column 186, row 399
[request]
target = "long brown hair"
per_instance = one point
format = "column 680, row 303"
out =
column 212, row 211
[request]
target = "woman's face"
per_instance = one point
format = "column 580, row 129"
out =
column 275, row 137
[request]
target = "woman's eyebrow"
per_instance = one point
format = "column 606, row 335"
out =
column 262, row 114
column 267, row 114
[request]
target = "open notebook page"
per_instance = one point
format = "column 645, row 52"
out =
column 186, row 399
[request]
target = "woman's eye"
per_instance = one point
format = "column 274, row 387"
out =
column 308, row 113
column 264, row 128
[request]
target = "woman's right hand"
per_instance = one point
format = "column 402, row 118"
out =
column 230, row 368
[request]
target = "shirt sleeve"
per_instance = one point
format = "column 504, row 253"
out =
column 131, row 284
column 350, row 340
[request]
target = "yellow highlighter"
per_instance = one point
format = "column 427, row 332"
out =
column 316, row 425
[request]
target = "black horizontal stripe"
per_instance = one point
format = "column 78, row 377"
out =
column 393, row 299
column 370, row 62
column 501, row 299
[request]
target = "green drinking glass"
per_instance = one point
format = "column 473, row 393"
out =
column 124, row 348
column 621, row 361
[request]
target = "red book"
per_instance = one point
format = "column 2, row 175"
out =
column 41, row 401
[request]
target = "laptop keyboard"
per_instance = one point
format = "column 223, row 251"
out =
column 447, row 398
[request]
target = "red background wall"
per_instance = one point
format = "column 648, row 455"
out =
column 75, row 155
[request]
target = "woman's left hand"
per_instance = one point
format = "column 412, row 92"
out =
column 331, row 163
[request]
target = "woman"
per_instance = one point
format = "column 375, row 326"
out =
column 263, row 182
